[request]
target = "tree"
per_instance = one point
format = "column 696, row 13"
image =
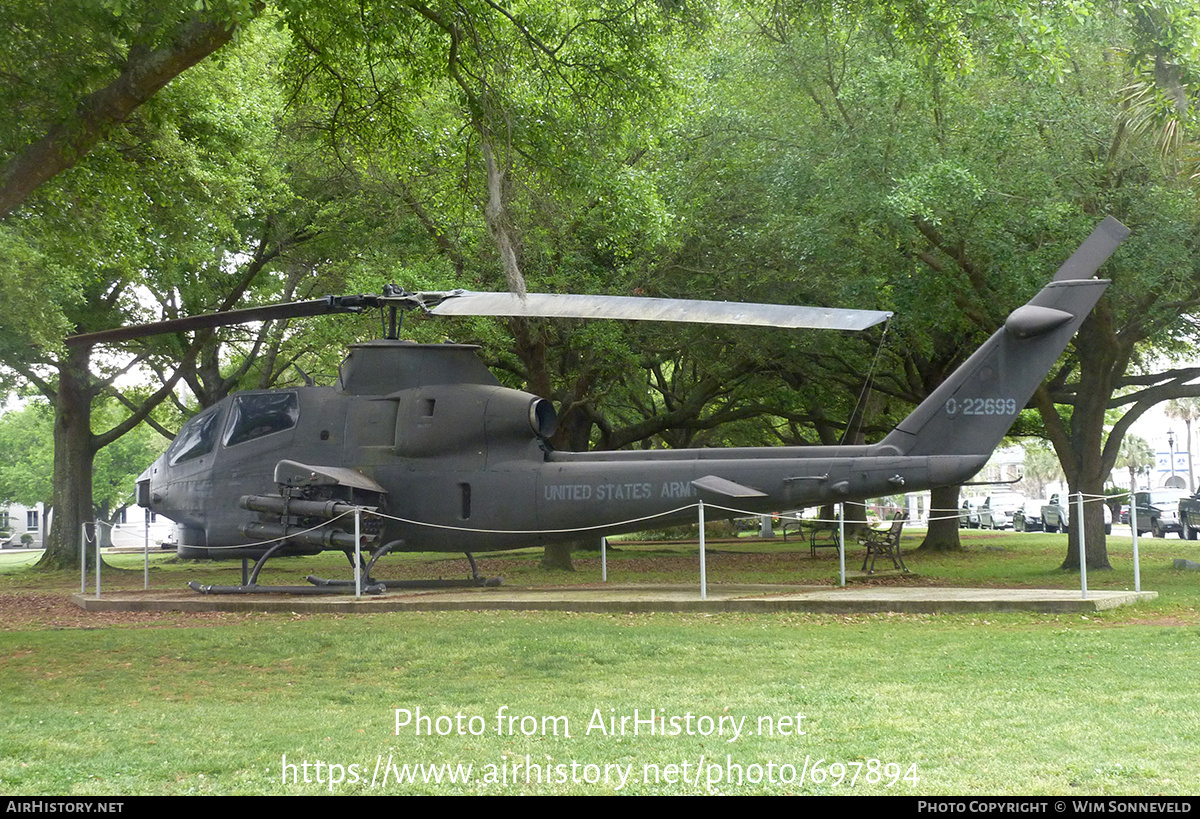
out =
column 1154, row 279
column 162, row 206
column 1186, row 410
column 27, row 459
column 98, row 63
column 513, row 135
column 1135, row 455
column 921, row 154
column 1041, row 467
column 824, row 127
column 27, row 454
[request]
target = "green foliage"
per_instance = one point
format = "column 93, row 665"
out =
column 31, row 290
column 1041, row 467
column 27, row 458
column 27, row 454
column 1136, row 455
column 117, row 466
column 162, row 204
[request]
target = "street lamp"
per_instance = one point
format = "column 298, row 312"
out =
column 1171, row 446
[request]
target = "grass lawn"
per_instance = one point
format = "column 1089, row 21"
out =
column 535, row 702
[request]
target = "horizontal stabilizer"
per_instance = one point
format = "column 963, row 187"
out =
column 729, row 489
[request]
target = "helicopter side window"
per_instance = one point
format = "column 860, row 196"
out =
column 197, row 438
column 259, row 414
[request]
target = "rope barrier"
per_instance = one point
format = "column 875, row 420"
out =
column 949, row 514
column 285, row 537
column 566, row 531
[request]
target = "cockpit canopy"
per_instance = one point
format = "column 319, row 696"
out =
column 251, row 416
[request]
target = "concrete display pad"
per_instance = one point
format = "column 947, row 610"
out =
column 635, row 598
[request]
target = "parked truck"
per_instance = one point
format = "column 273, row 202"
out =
column 1189, row 516
column 1160, row 511
column 1056, row 515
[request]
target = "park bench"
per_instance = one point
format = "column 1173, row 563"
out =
column 885, row 542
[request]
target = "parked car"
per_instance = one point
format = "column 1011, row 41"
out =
column 998, row 511
column 1028, row 518
column 1158, row 511
column 1055, row 515
column 968, row 514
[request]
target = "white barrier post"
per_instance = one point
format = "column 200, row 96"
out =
column 83, row 544
column 146, row 552
column 703, row 579
column 1137, row 572
column 357, row 552
column 1082, row 544
column 603, row 560
column 842, row 543
column 96, row 535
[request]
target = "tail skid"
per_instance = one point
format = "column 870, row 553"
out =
column 973, row 409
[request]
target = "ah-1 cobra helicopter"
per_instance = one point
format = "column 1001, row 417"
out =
column 425, row 434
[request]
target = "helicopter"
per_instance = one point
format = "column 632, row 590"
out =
column 436, row 455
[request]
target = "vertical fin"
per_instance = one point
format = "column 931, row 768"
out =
column 1094, row 251
column 973, row 409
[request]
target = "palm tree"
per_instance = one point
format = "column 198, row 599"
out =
column 1161, row 97
column 1135, row 455
column 1186, row 410
column 1040, row 467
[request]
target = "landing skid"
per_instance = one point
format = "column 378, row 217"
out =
column 254, row 588
column 440, row 583
column 331, row 586
column 250, row 584
column 476, row 580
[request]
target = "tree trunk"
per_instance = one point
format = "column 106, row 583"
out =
column 575, row 429
column 854, row 520
column 1093, row 530
column 74, row 455
column 943, row 521
column 1079, row 438
column 557, row 557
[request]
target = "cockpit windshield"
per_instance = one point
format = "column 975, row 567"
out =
column 196, row 438
column 257, row 414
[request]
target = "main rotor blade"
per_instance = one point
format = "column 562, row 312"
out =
column 296, row 309
column 549, row 305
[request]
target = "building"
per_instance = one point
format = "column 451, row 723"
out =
column 22, row 525
column 25, row 526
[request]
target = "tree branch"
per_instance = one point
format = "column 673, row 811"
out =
column 145, row 73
